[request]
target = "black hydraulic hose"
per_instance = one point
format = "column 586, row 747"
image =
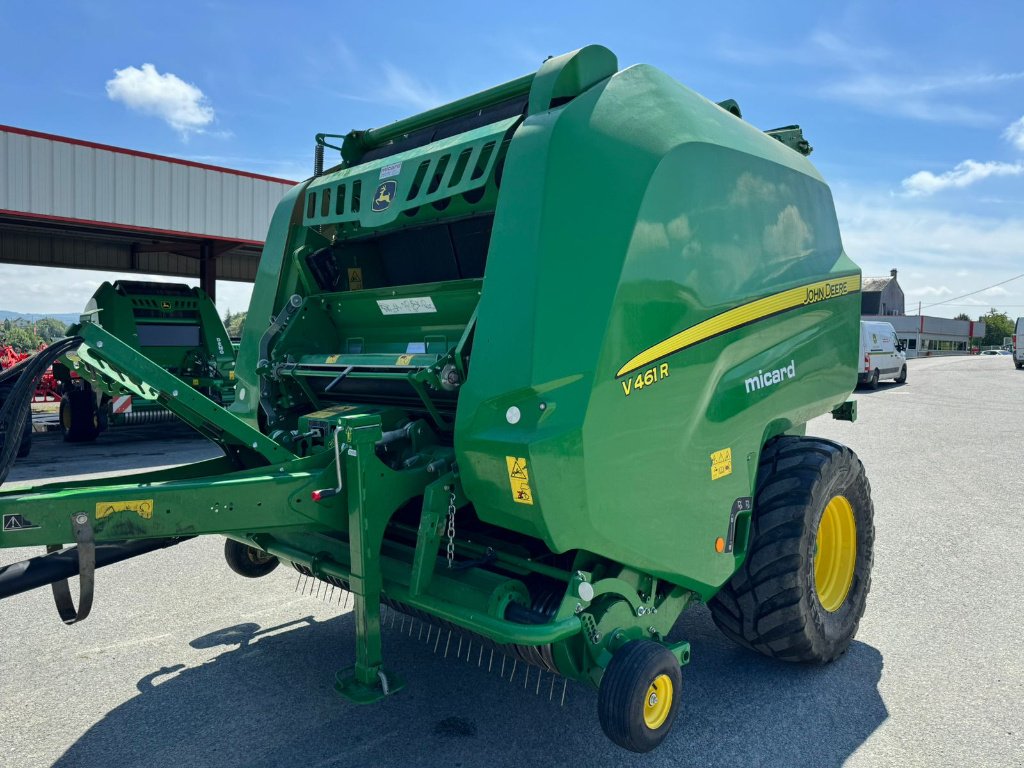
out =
column 46, row 569
column 18, row 403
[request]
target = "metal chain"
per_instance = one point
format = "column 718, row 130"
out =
column 451, row 530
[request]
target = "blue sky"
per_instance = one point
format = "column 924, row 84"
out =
column 915, row 109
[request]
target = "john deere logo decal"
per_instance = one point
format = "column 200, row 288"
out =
column 166, row 305
column 384, row 195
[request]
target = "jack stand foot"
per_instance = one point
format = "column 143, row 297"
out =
column 347, row 685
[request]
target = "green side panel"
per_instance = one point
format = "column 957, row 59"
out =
column 276, row 280
column 413, row 185
column 634, row 212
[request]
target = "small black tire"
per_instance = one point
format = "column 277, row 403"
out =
column 873, row 381
column 248, row 561
column 902, row 378
column 628, row 706
column 772, row 604
column 1019, row 365
column 79, row 416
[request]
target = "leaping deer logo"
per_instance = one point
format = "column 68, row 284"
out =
column 384, row 195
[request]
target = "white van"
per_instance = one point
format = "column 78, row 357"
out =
column 1018, row 343
column 881, row 354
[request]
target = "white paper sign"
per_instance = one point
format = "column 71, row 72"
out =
column 390, row 170
column 413, row 306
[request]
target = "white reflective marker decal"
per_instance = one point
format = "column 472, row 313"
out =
column 413, row 306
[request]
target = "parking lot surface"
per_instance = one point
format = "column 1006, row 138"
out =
column 184, row 663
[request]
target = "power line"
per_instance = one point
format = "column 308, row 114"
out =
column 965, row 295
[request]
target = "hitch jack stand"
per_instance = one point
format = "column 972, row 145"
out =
column 366, row 681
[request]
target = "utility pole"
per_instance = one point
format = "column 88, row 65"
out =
column 920, row 322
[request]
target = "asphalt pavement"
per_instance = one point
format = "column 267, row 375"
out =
column 184, row 663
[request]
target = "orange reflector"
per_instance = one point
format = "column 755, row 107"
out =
column 719, row 545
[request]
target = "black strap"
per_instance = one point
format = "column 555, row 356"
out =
column 86, row 573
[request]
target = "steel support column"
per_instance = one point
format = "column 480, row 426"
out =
column 208, row 269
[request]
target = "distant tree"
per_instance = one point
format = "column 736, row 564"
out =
column 50, row 329
column 27, row 335
column 998, row 326
column 963, row 316
column 234, row 323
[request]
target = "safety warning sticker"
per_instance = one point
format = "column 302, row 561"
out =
column 519, row 480
column 721, row 463
column 18, row 523
column 142, row 507
column 355, row 278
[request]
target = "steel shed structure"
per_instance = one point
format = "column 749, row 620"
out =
column 78, row 204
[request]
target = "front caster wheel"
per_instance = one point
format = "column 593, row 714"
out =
column 248, row 561
column 639, row 695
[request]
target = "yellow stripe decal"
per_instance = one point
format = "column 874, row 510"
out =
column 744, row 314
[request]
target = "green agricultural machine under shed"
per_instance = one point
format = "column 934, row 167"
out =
column 535, row 365
column 175, row 326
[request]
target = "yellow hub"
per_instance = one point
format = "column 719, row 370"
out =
column 658, row 702
column 835, row 555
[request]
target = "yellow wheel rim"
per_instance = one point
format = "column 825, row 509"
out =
column 658, row 702
column 835, row 555
column 65, row 418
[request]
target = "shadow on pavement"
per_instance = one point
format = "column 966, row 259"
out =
column 268, row 700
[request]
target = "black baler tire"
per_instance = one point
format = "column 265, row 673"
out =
column 770, row 605
column 247, row 561
column 78, row 416
column 902, row 378
column 623, row 690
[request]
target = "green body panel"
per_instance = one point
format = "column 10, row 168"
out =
column 634, row 212
column 523, row 388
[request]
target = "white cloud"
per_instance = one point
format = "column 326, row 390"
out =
column 1014, row 134
column 930, row 290
column 404, row 90
column 881, row 232
column 877, row 79
column 183, row 106
column 997, row 290
column 963, row 175
column 920, row 97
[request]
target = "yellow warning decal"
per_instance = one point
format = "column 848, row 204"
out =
column 519, row 480
column 331, row 359
column 142, row 507
column 231, row 375
column 745, row 314
column 332, row 411
column 355, row 278
column 403, row 360
column 721, row 463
